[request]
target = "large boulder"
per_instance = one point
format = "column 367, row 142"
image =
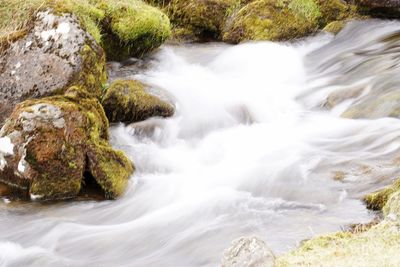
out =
column 128, row 101
column 56, row 54
column 248, row 252
column 52, row 147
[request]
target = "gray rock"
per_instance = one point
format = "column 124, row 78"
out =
column 248, row 252
column 56, row 54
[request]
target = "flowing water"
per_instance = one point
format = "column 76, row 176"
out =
column 252, row 150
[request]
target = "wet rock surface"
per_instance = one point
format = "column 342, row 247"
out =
column 55, row 54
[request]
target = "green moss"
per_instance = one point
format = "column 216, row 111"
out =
column 334, row 26
column 93, row 74
column 335, row 10
column 110, row 168
column 204, row 18
column 128, row 101
column 306, row 8
column 377, row 246
column 132, row 28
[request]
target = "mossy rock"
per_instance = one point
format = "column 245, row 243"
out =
column 57, row 142
column 378, row 200
column 53, row 56
column 124, row 28
column 272, row 20
column 128, row 101
column 279, row 20
column 201, row 19
column 132, row 28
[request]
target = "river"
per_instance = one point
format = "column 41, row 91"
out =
column 255, row 148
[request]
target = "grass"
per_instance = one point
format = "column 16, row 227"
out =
column 378, row 245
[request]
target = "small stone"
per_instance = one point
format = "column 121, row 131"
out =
column 248, row 252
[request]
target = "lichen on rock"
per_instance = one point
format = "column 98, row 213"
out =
column 67, row 55
column 128, row 101
column 55, row 141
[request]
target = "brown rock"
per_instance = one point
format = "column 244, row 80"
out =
column 50, row 145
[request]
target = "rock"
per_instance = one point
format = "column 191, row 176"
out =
column 132, row 28
column 55, row 54
column 128, row 101
column 202, row 19
column 272, row 20
column 248, row 252
column 51, row 145
column 378, row 3
column 375, row 105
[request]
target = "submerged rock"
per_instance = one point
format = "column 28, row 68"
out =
column 248, row 252
column 55, row 54
column 128, row 101
column 49, row 146
column 375, row 105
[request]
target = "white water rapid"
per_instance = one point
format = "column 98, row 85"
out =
column 251, row 150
